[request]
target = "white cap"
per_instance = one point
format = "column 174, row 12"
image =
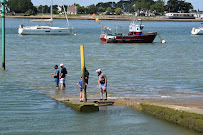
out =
column 61, row 65
column 98, row 70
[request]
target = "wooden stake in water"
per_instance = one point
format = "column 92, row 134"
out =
column 82, row 53
column 3, row 34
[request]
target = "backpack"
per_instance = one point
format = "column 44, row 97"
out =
column 65, row 71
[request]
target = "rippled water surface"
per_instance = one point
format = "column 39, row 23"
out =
column 132, row 70
column 26, row 111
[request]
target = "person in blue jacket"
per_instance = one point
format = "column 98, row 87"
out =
column 79, row 84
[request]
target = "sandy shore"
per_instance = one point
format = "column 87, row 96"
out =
column 106, row 17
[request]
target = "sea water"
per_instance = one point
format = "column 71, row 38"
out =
column 133, row 70
column 26, row 111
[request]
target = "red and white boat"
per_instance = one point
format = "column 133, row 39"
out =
column 135, row 35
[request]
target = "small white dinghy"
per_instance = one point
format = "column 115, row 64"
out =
column 198, row 31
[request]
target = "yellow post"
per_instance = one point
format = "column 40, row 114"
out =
column 82, row 53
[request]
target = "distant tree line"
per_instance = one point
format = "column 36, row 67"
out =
column 131, row 6
column 46, row 9
column 22, row 6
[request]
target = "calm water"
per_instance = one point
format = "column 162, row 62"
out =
column 25, row 111
column 133, row 70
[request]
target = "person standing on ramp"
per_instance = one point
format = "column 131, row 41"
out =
column 102, row 83
column 63, row 76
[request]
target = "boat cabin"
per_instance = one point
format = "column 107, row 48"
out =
column 136, row 28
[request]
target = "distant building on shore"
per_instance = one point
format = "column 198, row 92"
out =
column 180, row 15
column 127, row 13
column 199, row 14
column 144, row 13
column 59, row 9
column 72, row 10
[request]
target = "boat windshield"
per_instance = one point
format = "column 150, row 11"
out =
column 139, row 22
column 116, row 30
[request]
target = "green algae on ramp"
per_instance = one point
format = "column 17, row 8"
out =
column 81, row 107
column 186, row 119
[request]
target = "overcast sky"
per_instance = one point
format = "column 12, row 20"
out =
column 198, row 4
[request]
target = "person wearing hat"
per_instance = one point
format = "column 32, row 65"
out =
column 63, row 76
column 102, row 83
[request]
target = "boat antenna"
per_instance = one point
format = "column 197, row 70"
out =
column 134, row 18
column 65, row 13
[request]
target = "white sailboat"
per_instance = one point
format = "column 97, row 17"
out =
column 198, row 31
column 45, row 30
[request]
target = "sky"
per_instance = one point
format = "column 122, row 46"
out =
column 197, row 4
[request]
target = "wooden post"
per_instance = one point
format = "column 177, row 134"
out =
column 3, row 34
column 82, row 53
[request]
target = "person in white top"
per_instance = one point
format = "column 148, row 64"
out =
column 102, row 83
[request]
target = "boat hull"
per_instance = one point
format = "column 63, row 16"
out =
column 147, row 37
column 197, row 31
column 44, row 31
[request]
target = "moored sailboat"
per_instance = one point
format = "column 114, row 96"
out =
column 45, row 30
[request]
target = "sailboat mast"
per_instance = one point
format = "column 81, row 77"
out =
column 65, row 13
column 51, row 12
column 51, row 9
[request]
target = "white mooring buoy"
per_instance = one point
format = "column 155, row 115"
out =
column 163, row 41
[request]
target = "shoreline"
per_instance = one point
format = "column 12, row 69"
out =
column 105, row 17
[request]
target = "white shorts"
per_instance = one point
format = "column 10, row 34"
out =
column 62, row 80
